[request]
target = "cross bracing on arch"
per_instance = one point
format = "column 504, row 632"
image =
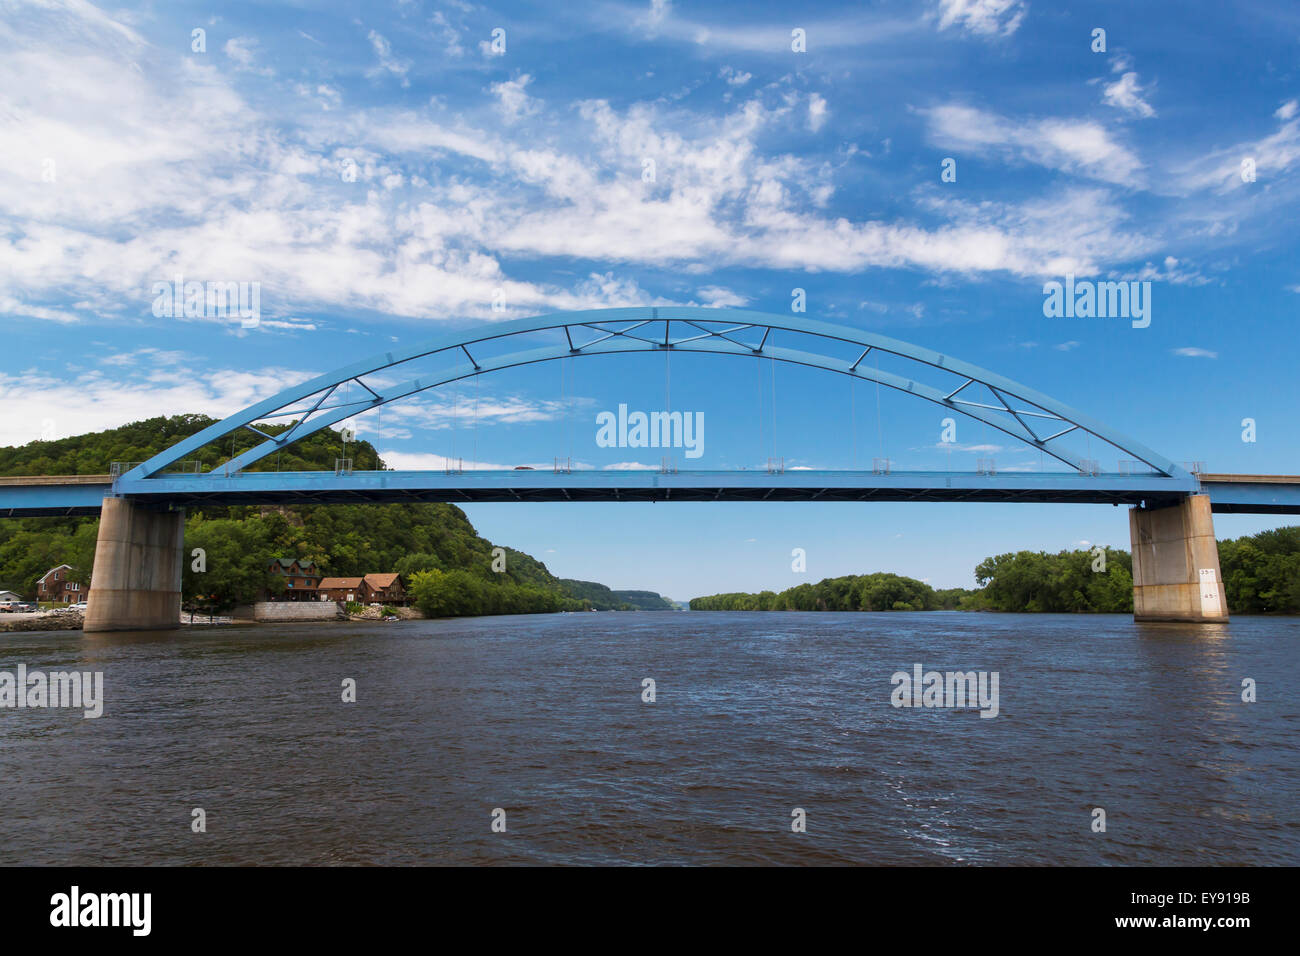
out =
column 1023, row 413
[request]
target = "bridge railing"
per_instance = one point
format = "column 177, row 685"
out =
column 190, row 467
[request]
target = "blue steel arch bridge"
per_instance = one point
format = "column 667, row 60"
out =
column 141, row 501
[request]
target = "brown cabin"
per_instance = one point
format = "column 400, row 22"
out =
column 385, row 589
column 301, row 578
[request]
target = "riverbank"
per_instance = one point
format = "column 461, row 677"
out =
column 70, row 620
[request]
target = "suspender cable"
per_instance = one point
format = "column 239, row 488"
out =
column 565, row 371
column 880, row 427
column 773, row 361
column 853, row 418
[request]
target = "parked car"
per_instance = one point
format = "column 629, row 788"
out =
column 79, row 606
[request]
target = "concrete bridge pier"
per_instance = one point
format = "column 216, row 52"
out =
column 136, row 585
column 1176, row 574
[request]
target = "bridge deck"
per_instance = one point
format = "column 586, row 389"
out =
column 83, row 494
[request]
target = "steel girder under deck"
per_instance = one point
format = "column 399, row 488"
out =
column 314, row 487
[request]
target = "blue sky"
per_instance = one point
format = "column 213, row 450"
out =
column 384, row 174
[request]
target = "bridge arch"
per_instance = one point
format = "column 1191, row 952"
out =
column 651, row 329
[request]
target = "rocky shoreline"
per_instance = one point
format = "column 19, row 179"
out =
column 42, row 621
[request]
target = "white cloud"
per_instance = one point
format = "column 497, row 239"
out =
column 324, row 94
column 982, row 17
column 1286, row 110
column 977, row 449
column 817, row 112
column 133, row 392
column 721, row 298
column 387, row 62
column 155, row 356
column 1171, row 270
column 1126, row 94
column 513, row 100
column 657, row 14
column 450, row 35
column 735, row 77
column 243, row 50
column 457, row 406
column 1081, row 147
column 727, row 34
column 10, row 305
column 1221, row 169
column 1191, row 352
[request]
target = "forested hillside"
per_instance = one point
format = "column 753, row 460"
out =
column 449, row 568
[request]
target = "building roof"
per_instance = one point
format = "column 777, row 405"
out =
column 52, row 570
column 289, row 562
column 381, row 580
column 328, row 583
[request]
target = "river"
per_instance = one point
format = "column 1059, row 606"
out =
column 755, row 715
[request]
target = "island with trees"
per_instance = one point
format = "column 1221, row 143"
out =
column 1261, row 575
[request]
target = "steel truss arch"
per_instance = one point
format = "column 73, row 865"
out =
column 713, row 331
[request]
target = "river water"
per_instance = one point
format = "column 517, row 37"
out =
column 754, row 715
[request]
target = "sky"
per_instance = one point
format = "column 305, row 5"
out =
column 384, row 173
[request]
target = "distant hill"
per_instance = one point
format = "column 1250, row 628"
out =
column 645, row 600
column 603, row 599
